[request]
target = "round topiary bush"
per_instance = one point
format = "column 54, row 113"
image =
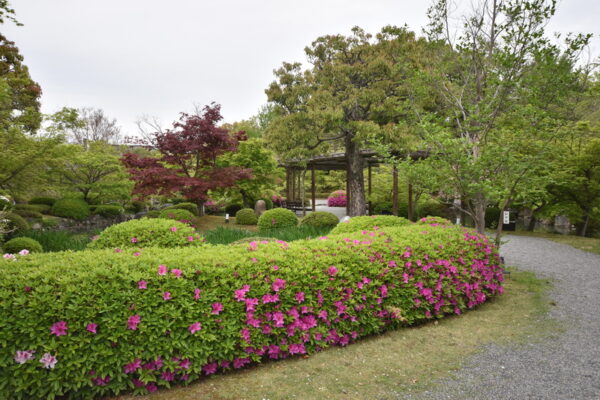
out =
column 337, row 199
column 232, row 209
column 71, row 208
column 16, row 223
column 135, row 206
column 49, row 201
column 191, row 207
column 369, row 222
column 15, row 245
column 246, row 216
column 320, row 219
column 177, row 214
column 108, row 211
column 146, row 232
column 277, row 218
column 28, row 213
column 429, row 220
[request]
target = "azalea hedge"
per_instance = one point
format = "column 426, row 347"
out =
column 96, row 323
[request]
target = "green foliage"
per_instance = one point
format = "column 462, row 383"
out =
column 108, row 211
column 191, row 207
column 146, row 232
column 52, row 240
column 49, row 201
column 320, row 219
column 223, row 235
column 132, row 321
column 431, row 207
column 492, row 216
column 16, row 223
column 176, row 214
column 135, row 206
column 277, row 218
column 246, row 216
column 6, row 203
column 232, row 209
column 268, row 202
column 41, row 208
column 363, row 223
column 49, row 222
column 71, row 208
column 25, row 213
column 431, row 220
column 17, row 244
column 152, row 214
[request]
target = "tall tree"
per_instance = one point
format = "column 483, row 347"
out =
column 94, row 126
column 188, row 161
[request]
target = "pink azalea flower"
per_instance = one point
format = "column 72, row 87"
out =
column 300, row 297
column 166, row 296
column 21, row 357
column 173, row 229
column 195, row 327
column 197, row 294
column 275, row 267
column 217, row 308
column 167, row 376
column 117, row 250
column 134, row 240
column 48, row 360
column 91, row 327
column 185, row 364
column 332, row 270
column 278, row 284
column 142, row 285
column 59, row 328
column 210, row 368
column 137, row 254
column 133, row 322
column 24, row 252
column 176, row 272
column 190, row 238
column 132, row 367
column 9, row 256
column 162, row 269
column 151, row 387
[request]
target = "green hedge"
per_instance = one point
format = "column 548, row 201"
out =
column 16, row 223
column 277, row 218
column 97, row 323
column 369, row 222
column 177, row 214
column 40, row 208
column 28, row 213
column 246, row 216
column 49, row 201
column 320, row 219
column 191, row 207
column 22, row 243
column 71, row 208
column 108, row 211
column 146, row 232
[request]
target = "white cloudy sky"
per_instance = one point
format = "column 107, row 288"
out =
column 135, row 57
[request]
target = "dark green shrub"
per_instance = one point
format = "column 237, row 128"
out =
column 191, row 207
column 17, row 244
column 71, row 208
column 293, row 290
column 16, row 223
column 135, row 207
column 431, row 208
column 492, row 216
column 320, row 218
column 41, row 208
column 231, row 209
column 147, row 232
column 152, row 214
column 49, row 201
column 277, row 218
column 366, row 223
column 108, row 211
column 246, row 216
column 177, row 214
column 28, row 213
column 49, row 222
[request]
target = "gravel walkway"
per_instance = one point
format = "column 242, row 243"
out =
column 566, row 368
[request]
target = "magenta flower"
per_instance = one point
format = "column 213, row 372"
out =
column 190, row 238
column 185, row 364
column 142, row 285
column 134, row 240
column 210, row 368
column 151, row 387
column 48, row 360
column 176, row 272
column 240, row 294
column 300, row 297
column 197, row 294
column 297, row 349
column 9, row 256
column 117, row 250
column 275, row 267
column 167, row 376
column 195, row 327
column 166, row 296
column 162, row 269
column 21, row 357
column 332, row 270
column 173, row 229
column 59, row 329
column 137, row 254
column 133, row 322
column 278, row 284
column 132, row 367
column 217, row 308
column 24, row 252
column 91, row 327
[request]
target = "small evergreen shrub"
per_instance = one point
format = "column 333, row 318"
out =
column 16, row 223
column 28, row 213
column 369, row 222
column 17, row 244
column 41, row 208
column 429, row 220
column 191, row 207
column 71, row 208
column 135, row 207
column 246, row 216
column 232, row 209
column 277, row 218
column 145, row 232
column 49, row 201
column 176, row 214
column 108, row 211
column 337, row 199
column 320, row 219
column 152, row 214
column 49, row 222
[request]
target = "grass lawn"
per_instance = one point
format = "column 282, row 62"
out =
column 583, row 243
column 380, row 367
column 209, row 222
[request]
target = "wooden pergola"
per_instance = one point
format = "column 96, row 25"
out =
column 296, row 169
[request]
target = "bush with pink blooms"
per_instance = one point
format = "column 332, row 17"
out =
column 97, row 323
column 337, row 199
column 369, row 222
column 429, row 220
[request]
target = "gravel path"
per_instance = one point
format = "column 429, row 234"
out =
column 566, row 368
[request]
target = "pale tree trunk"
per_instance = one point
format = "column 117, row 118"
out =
column 355, row 179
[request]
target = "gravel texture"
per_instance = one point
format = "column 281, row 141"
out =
column 567, row 367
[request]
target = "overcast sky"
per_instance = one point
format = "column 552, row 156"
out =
column 135, row 57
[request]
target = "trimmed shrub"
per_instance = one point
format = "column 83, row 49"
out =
column 277, row 218
column 41, row 208
column 172, row 315
column 320, row 219
column 16, row 223
column 176, row 214
column 434, row 221
column 191, row 207
column 49, row 222
column 232, row 209
column 49, row 201
column 152, row 214
column 337, row 199
column 71, row 208
column 28, row 213
column 246, row 216
column 17, row 244
column 369, row 222
column 138, row 233
column 135, row 207
column 108, row 211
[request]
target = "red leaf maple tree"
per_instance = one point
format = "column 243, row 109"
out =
column 188, row 161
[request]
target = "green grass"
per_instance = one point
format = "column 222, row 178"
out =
column 384, row 366
column 583, row 243
column 223, row 235
column 59, row 240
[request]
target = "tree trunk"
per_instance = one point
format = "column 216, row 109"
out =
column 200, row 205
column 479, row 204
column 356, row 181
column 584, row 228
column 411, row 203
column 532, row 220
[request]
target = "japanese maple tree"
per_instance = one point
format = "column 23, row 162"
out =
column 187, row 164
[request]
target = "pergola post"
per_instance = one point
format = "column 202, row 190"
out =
column 370, row 210
column 313, row 194
column 395, row 191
